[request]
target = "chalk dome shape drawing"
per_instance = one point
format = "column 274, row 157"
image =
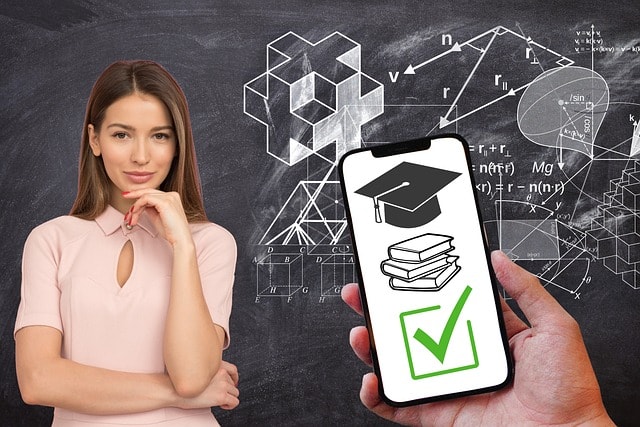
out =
column 564, row 108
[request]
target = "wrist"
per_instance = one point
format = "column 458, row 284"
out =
column 182, row 402
column 599, row 418
column 184, row 246
column 602, row 420
column 171, row 398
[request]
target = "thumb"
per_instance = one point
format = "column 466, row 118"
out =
column 534, row 300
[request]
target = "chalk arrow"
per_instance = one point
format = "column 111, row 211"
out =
column 412, row 70
column 444, row 121
column 559, row 142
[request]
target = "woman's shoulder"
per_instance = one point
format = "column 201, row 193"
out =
column 62, row 228
column 209, row 232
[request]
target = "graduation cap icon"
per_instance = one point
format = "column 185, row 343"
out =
column 409, row 194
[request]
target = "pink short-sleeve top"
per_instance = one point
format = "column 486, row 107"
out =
column 69, row 283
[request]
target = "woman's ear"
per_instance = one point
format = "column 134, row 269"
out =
column 93, row 140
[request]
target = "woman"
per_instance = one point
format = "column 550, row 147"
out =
column 125, row 302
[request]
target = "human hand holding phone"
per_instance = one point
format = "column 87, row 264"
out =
column 554, row 382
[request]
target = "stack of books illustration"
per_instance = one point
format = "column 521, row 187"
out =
column 422, row 263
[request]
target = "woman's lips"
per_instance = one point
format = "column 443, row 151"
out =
column 139, row 177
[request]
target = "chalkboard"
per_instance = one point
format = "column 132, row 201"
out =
column 557, row 194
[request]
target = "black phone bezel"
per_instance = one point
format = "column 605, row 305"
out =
column 403, row 147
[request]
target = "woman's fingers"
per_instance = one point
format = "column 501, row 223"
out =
column 228, row 375
column 165, row 211
column 141, row 199
column 232, row 370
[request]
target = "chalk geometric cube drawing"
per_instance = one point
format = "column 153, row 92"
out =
column 312, row 95
column 614, row 236
column 280, row 275
column 336, row 271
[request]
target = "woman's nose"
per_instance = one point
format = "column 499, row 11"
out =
column 140, row 152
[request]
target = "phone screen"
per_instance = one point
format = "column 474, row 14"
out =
column 427, row 287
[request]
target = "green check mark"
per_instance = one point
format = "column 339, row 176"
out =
column 439, row 349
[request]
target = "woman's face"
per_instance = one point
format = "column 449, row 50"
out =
column 137, row 143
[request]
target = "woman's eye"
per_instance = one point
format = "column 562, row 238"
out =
column 119, row 135
column 161, row 136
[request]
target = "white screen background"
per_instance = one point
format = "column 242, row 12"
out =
column 459, row 219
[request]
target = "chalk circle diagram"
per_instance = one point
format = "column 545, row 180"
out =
column 563, row 108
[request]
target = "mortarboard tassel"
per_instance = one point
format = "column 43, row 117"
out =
column 376, row 207
column 376, row 204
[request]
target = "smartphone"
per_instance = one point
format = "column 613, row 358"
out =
column 427, row 287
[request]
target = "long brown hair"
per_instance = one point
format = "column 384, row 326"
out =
column 124, row 78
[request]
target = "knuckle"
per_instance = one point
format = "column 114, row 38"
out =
column 572, row 324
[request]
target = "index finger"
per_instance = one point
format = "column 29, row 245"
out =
column 135, row 194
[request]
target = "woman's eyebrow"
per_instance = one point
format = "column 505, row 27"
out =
column 129, row 127
column 120, row 125
column 165, row 127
